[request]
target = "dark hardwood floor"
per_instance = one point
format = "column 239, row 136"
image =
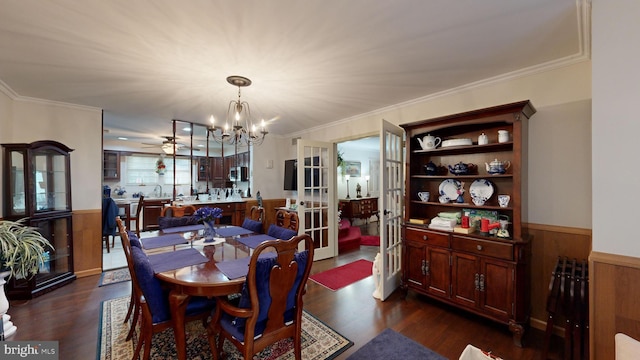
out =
column 70, row 315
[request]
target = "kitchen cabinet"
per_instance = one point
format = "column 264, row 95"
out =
column 111, row 165
column 477, row 271
column 37, row 186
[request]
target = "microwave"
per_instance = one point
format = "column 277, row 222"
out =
column 239, row 173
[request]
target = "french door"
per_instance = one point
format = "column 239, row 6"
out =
column 391, row 207
column 317, row 200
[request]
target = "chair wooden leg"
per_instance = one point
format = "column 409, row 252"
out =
column 131, row 305
column 134, row 322
column 106, row 241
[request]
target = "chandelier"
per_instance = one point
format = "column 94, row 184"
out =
column 243, row 130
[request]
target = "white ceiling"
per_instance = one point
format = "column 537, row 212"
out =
column 146, row 62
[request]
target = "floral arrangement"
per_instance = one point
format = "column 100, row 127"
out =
column 160, row 167
column 120, row 190
column 207, row 214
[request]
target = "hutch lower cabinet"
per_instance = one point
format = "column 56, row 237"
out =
column 456, row 167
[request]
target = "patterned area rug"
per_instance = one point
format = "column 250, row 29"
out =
column 114, row 276
column 318, row 340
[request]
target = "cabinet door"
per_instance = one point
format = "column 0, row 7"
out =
column 111, row 165
column 217, row 168
column 438, row 271
column 496, row 288
column 414, row 274
column 203, row 168
column 465, row 277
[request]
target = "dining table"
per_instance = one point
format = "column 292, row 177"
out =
column 221, row 272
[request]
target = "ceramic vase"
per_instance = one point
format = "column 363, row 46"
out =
column 209, row 231
column 8, row 328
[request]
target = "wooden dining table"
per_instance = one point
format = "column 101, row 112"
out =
column 204, row 279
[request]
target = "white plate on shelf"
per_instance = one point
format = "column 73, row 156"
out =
column 449, row 188
column 456, row 142
column 481, row 189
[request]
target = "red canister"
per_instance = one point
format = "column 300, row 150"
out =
column 465, row 222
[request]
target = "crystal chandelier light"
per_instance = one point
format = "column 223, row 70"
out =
column 243, row 130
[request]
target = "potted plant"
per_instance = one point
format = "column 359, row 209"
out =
column 22, row 249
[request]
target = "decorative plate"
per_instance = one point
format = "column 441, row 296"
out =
column 449, row 188
column 481, row 189
column 456, row 142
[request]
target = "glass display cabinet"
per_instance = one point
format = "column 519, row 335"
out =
column 37, row 186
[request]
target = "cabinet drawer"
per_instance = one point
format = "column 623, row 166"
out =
column 483, row 247
column 429, row 237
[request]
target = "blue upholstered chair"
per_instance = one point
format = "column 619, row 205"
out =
column 156, row 315
column 270, row 306
column 253, row 225
column 129, row 239
column 280, row 232
column 254, row 221
column 287, row 219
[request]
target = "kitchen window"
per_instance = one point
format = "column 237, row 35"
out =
column 141, row 170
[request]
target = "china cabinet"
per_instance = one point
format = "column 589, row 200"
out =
column 37, row 186
column 484, row 268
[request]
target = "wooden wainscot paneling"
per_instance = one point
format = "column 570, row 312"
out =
column 548, row 242
column 613, row 296
column 87, row 242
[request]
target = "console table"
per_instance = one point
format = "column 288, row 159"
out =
column 359, row 208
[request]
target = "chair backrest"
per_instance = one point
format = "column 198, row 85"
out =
column 138, row 212
column 109, row 213
column 280, row 232
column 256, row 213
column 156, row 298
column 178, row 211
column 278, row 273
column 287, row 219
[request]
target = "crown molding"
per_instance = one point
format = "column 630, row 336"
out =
column 7, row 90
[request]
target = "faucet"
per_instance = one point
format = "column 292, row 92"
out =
column 155, row 190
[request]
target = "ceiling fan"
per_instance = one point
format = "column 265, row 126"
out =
column 170, row 145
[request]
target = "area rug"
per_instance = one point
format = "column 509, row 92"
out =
column 344, row 275
column 114, row 276
column 318, row 340
column 390, row 345
column 370, row 240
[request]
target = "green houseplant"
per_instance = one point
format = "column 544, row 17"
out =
column 22, row 249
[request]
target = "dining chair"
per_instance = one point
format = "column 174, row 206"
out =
column 253, row 222
column 110, row 211
column 270, row 305
column 154, row 303
column 287, row 219
column 256, row 213
column 136, row 218
column 173, row 216
column 178, row 211
column 134, row 303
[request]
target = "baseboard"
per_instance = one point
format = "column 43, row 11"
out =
column 89, row 272
column 542, row 326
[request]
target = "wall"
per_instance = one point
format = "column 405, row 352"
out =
column 365, row 157
column 615, row 261
column 26, row 120
column 562, row 98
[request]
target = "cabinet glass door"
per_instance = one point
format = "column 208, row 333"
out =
column 50, row 181
column 56, row 261
column 17, row 184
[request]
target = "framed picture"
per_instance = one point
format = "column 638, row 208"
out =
column 352, row 168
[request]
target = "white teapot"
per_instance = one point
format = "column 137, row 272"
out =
column 429, row 142
column 497, row 166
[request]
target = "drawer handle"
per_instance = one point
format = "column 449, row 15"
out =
column 424, row 237
column 479, row 247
